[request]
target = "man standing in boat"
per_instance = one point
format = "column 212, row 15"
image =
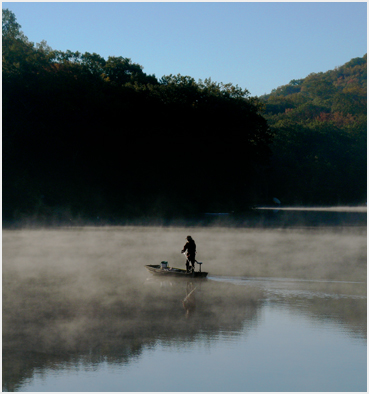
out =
column 190, row 247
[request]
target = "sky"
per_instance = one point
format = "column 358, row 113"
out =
column 258, row 46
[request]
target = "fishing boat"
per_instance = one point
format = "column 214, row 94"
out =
column 163, row 270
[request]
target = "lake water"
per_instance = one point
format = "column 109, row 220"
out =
column 283, row 309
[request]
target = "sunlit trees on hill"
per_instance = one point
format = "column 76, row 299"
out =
column 320, row 126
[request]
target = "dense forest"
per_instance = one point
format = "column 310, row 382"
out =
column 320, row 145
column 94, row 138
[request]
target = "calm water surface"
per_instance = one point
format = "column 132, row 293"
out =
column 281, row 310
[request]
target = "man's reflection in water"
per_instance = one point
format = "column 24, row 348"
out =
column 189, row 302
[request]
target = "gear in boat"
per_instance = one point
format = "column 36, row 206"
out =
column 164, row 270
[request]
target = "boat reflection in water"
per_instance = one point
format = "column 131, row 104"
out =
column 212, row 305
column 189, row 302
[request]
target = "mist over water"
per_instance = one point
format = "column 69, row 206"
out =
column 283, row 309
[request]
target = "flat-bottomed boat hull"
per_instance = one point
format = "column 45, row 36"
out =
column 177, row 272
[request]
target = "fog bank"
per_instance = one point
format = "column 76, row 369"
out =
column 84, row 292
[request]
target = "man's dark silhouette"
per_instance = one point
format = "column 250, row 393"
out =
column 190, row 247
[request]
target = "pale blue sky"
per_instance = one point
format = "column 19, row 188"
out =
column 258, row 46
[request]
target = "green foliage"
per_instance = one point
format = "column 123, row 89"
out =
column 320, row 125
column 10, row 26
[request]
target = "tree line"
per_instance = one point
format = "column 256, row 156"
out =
column 100, row 138
column 95, row 138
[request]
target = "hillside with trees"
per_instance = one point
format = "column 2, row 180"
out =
column 320, row 145
column 97, row 138
column 89, row 137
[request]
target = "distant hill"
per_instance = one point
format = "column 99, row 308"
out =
column 320, row 127
column 333, row 95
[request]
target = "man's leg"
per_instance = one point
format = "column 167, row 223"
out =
column 193, row 264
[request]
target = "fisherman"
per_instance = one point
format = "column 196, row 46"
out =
column 190, row 247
